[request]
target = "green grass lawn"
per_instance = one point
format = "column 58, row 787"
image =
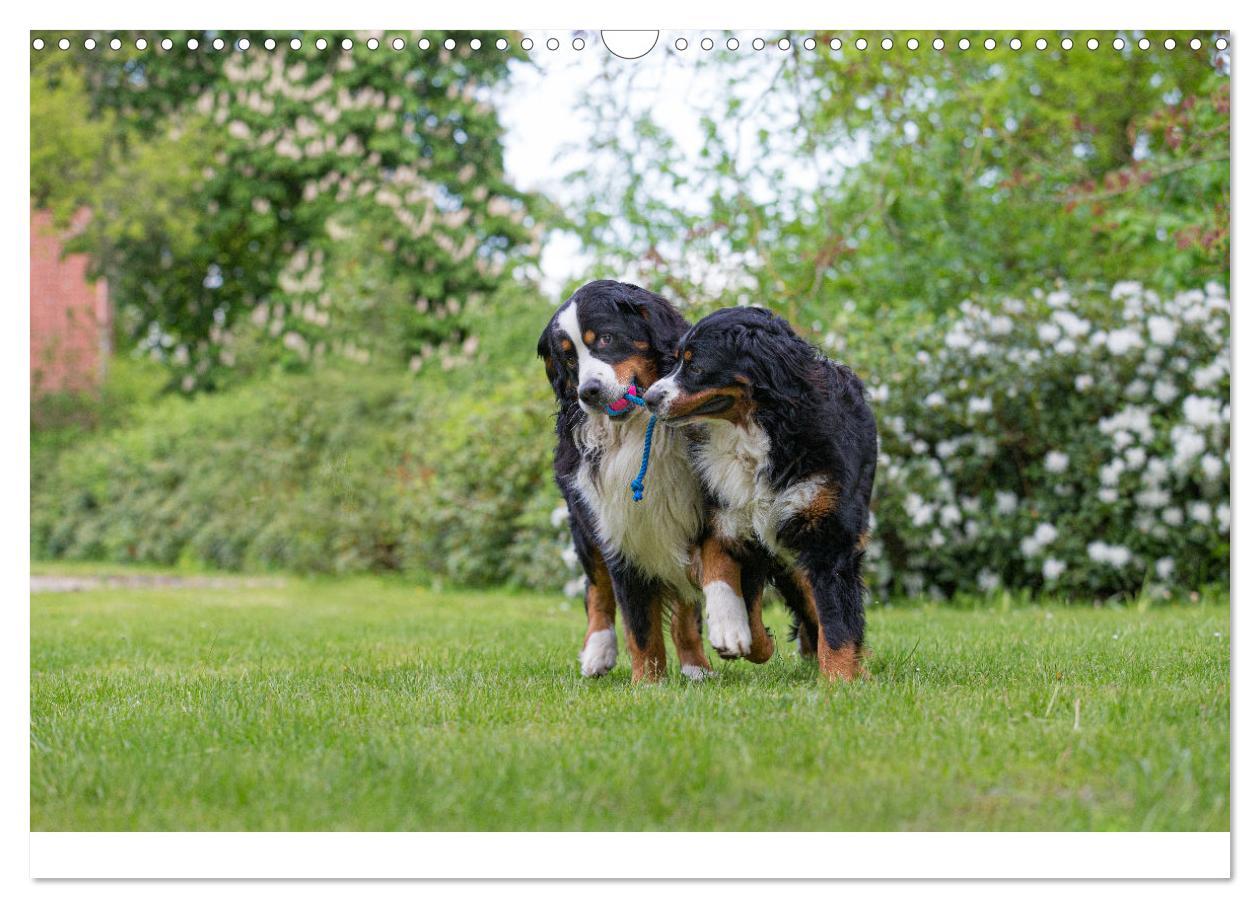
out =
column 366, row 704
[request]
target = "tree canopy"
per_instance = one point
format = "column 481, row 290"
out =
column 908, row 180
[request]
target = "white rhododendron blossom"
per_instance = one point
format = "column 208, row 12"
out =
column 1114, row 555
column 1201, row 411
column 979, row 405
column 1071, row 440
column 1164, row 391
column 1163, row 330
column 1122, row 341
column 988, row 581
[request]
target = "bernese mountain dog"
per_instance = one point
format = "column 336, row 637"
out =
column 786, row 450
column 607, row 339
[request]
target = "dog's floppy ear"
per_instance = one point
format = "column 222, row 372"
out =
column 776, row 358
column 549, row 362
column 666, row 326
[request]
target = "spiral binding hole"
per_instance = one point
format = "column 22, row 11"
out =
column 579, row 43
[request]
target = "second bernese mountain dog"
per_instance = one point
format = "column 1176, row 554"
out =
column 787, row 453
column 607, row 339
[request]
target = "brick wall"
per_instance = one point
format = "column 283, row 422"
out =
column 70, row 317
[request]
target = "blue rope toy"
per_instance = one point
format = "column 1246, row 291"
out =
column 636, row 484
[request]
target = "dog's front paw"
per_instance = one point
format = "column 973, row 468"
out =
column 729, row 632
column 599, row 655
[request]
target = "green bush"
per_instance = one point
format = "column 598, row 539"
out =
column 1070, row 442
column 335, row 471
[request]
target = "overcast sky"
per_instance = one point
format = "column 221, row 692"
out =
column 541, row 119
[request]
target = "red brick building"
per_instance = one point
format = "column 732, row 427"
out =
column 70, row 317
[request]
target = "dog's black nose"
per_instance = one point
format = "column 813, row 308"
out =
column 591, row 392
column 652, row 398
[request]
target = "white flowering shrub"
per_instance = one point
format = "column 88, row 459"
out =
column 1074, row 443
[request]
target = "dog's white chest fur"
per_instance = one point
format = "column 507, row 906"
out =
column 733, row 461
column 657, row 533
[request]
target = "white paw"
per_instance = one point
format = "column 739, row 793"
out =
column 696, row 672
column 728, row 620
column 600, row 653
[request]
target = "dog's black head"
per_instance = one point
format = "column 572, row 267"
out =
column 606, row 337
column 729, row 362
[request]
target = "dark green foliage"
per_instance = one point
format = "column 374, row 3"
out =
column 340, row 470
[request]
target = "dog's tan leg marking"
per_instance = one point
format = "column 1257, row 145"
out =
column 725, row 609
column 762, row 642
column 599, row 646
column 834, row 663
column 717, row 564
column 807, row 633
column 844, row 663
column 647, row 663
column 685, row 629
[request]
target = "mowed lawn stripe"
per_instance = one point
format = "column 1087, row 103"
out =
column 371, row 704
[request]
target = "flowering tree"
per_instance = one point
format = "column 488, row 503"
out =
column 1074, row 442
column 297, row 203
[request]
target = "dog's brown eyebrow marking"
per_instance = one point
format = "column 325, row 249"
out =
column 635, row 367
column 641, row 345
column 566, row 344
column 588, row 337
column 687, row 354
